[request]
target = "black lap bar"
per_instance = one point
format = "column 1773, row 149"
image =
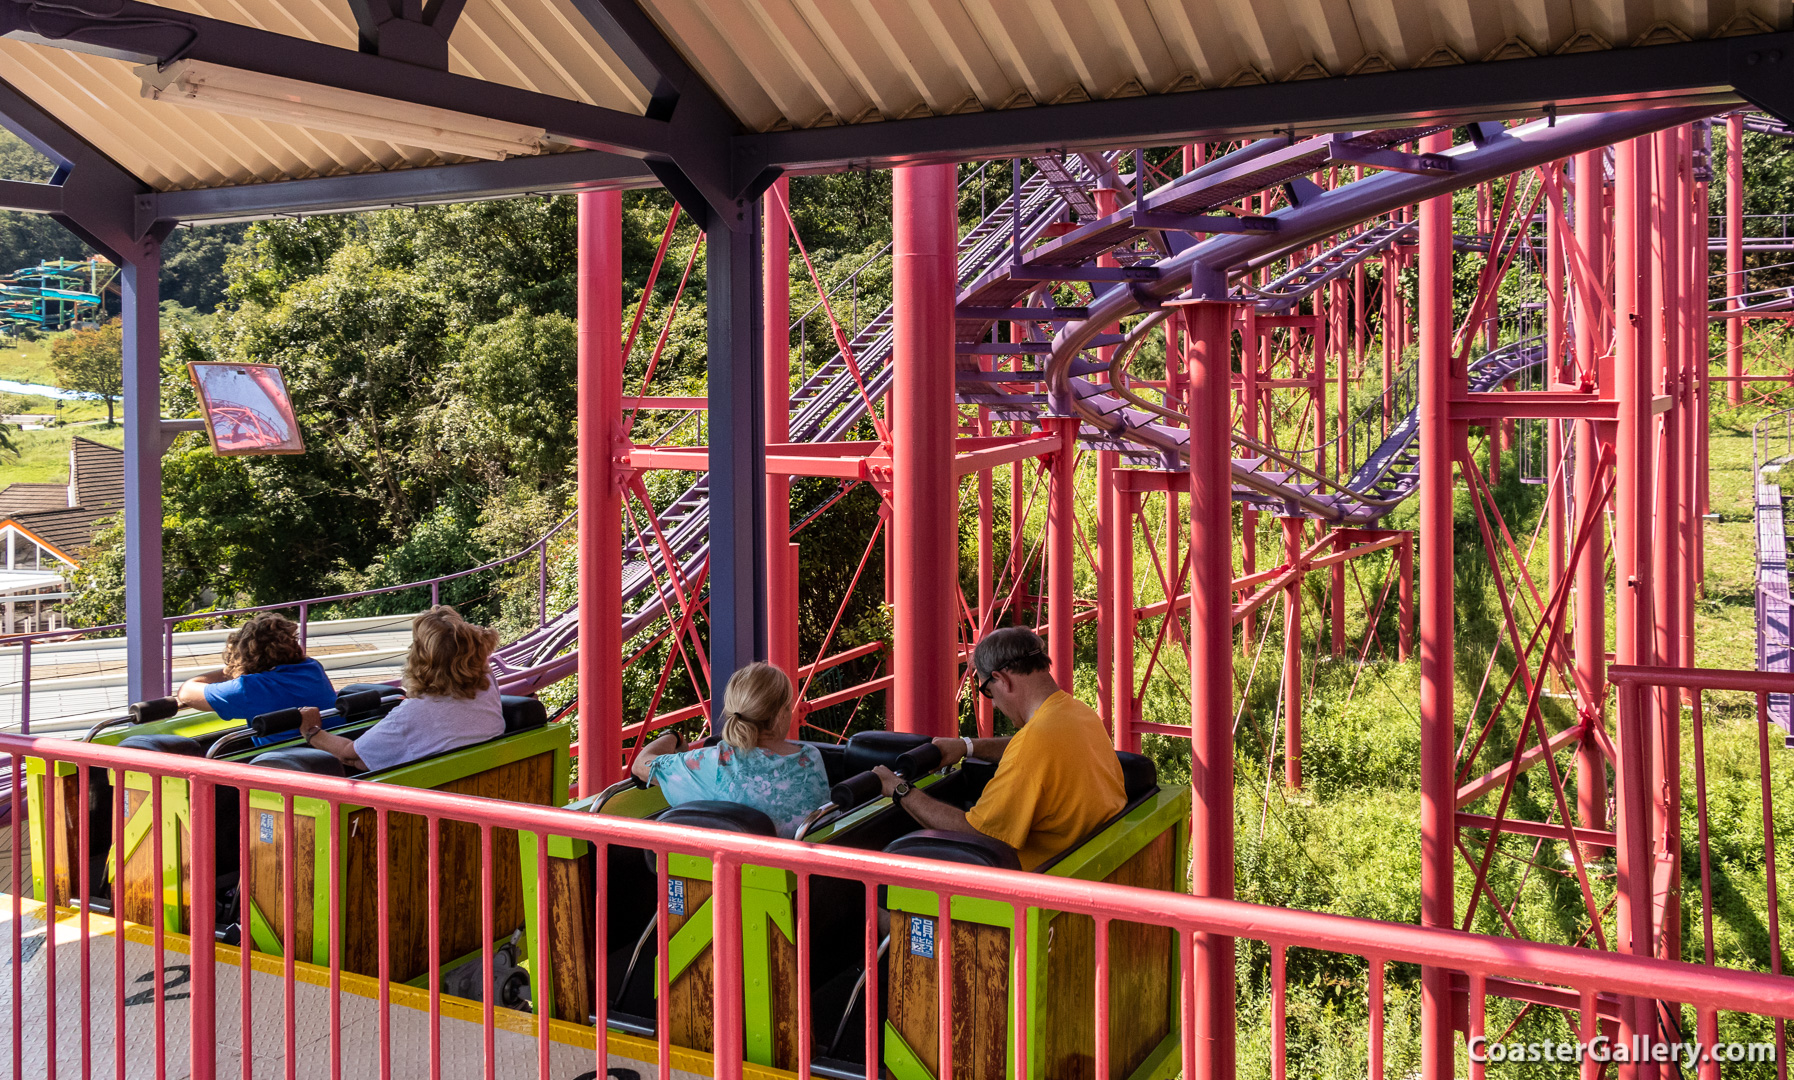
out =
column 915, row 762
column 278, row 722
column 856, row 790
column 148, row 712
column 971, row 848
column 359, row 703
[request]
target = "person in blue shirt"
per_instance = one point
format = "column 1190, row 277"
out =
column 265, row 669
column 754, row 764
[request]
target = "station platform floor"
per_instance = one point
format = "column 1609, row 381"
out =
column 515, row 1043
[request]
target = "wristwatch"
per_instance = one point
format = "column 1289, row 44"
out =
column 903, row 788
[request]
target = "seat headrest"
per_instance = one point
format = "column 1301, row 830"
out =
column 278, row 722
column 972, row 849
column 726, row 816
column 522, row 713
column 1139, row 776
column 164, row 744
column 834, row 760
column 306, row 759
column 870, row 748
column 383, row 689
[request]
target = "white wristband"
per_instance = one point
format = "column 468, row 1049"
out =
column 968, row 743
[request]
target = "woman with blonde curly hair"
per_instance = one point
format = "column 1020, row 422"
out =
column 265, row 669
column 754, row 764
column 451, row 700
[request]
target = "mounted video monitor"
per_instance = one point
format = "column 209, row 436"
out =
column 247, row 409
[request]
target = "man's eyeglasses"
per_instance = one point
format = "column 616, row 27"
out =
column 984, row 683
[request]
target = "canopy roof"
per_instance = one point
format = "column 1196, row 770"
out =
column 714, row 97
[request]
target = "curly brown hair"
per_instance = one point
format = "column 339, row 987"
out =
column 262, row 644
column 448, row 655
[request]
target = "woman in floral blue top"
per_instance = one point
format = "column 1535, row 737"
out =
column 754, row 764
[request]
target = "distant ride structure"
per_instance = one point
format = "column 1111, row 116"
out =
column 55, row 294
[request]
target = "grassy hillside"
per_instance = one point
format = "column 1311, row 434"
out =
column 27, row 361
column 1349, row 842
column 44, row 455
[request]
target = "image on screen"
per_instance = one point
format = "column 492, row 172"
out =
column 247, row 409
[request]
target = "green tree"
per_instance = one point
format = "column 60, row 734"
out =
column 193, row 261
column 91, row 363
column 28, row 239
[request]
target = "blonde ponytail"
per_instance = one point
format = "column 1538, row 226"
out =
column 756, row 701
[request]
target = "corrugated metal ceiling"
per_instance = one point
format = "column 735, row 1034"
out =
column 803, row 63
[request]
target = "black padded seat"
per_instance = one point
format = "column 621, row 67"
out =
column 972, row 849
column 834, row 760
column 523, row 713
column 870, row 748
column 385, row 690
column 164, row 744
column 305, row 759
column 1139, row 776
column 715, row 814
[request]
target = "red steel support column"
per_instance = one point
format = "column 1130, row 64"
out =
column 1665, row 360
column 1108, row 200
column 1176, row 338
column 983, row 710
column 1590, row 637
column 1018, row 548
column 1632, row 559
column 781, row 554
column 1119, row 543
column 1665, row 285
column 1734, row 253
column 1557, row 485
column 1249, row 414
column 1211, row 671
column 924, row 518
column 1404, row 566
column 1336, row 343
column 1700, row 344
column 600, row 395
column 1061, row 544
column 1439, row 438
column 1292, row 658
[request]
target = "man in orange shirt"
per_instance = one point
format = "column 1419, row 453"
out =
column 1057, row 777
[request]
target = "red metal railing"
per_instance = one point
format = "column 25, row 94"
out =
column 1575, row 975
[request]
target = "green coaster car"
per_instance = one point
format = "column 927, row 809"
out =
column 1146, row 845
column 528, row 763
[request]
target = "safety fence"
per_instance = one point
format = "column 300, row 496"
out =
column 537, row 645
column 434, row 877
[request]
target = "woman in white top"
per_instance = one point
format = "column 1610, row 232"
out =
column 450, row 699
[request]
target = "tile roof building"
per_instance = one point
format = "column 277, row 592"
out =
column 44, row 527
